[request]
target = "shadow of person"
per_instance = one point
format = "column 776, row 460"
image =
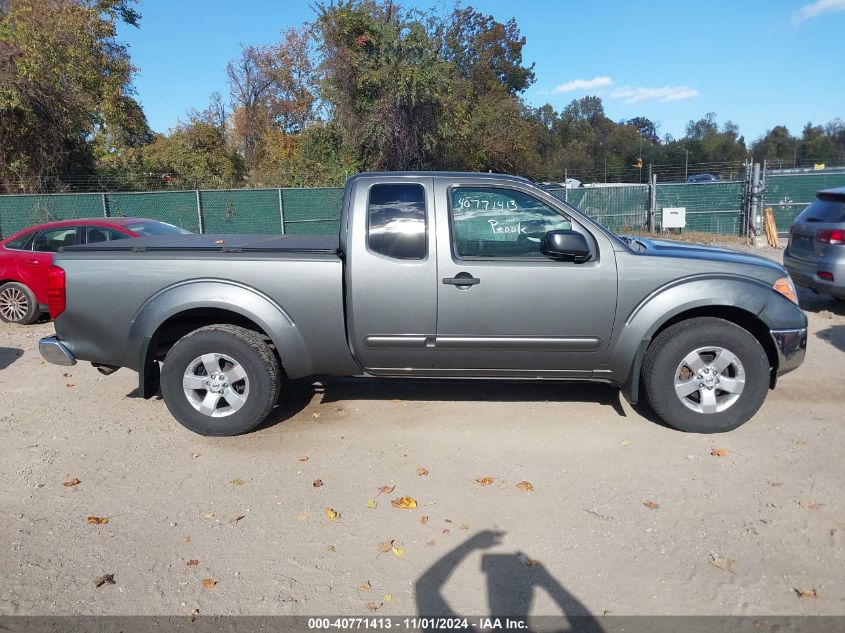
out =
column 9, row 355
column 512, row 581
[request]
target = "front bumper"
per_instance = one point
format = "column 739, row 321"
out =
column 791, row 346
column 54, row 352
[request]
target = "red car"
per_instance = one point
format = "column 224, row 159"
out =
column 26, row 256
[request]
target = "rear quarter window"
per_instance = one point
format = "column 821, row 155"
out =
column 396, row 223
column 828, row 210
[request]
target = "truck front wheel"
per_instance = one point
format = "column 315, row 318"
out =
column 220, row 380
column 705, row 375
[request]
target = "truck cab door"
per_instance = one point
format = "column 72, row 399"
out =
column 503, row 307
column 391, row 273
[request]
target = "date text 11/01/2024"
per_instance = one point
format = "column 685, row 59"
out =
column 417, row 623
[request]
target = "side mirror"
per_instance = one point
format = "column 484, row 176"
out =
column 566, row 246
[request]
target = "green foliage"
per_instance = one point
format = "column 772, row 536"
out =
column 64, row 80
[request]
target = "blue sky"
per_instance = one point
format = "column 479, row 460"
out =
column 759, row 63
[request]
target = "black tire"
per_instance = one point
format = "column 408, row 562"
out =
column 235, row 346
column 663, row 361
column 18, row 304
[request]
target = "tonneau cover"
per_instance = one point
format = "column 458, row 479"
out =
column 225, row 243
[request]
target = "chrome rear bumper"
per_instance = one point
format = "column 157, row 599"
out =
column 791, row 346
column 54, row 352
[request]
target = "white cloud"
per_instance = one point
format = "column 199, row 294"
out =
column 815, row 9
column 667, row 93
column 580, row 85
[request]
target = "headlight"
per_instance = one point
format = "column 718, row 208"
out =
column 785, row 287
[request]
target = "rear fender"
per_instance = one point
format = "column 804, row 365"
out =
column 224, row 295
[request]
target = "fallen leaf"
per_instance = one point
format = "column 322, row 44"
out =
column 625, row 442
column 463, row 526
column 302, row 516
column 331, row 515
column 371, row 504
column 192, row 563
column 719, row 452
column 404, row 503
column 386, row 489
column 236, row 518
column 388, row 597
column 207, row 515
column 303, row 458
column 430, row 543
column 186, row 539
column 70, row 384
column 529, row 562
column 67, row 375
column 108, row 579
column 812, row 594
column 365, row 586
column 195, row 455
column 97, row 520
column 448, row 520
column 385, row 547
column 372, row 606
column 422, row 472
column 651, row 505
column 397, row 400
column 331, row 549
column 525, row 485
column 424, row 520
column 445, row 530
column 317, row 483
column 194, row 614
column 315, row 415
column 208, row 583
column 237, row 482
column 71, row 482
column 399, row 551
column 722, row 563
column 485, row 481
column 810, row 505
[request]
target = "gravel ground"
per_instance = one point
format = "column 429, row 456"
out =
column 735, row 532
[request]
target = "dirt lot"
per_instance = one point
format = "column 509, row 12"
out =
column 581, row 542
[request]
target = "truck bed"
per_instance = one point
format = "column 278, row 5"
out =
column 224, row 243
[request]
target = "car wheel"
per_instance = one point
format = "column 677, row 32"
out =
column 705, row 375
column 220, row 380
column 18, row 304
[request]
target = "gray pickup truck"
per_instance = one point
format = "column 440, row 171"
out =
column 435, row 275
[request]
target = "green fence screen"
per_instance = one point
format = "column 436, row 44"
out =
column 710, row 207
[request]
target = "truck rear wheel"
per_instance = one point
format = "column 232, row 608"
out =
column 705, row 375
column 220, row 380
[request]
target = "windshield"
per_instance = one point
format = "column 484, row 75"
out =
column 156, row 228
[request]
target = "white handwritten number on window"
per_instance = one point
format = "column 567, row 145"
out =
column 473, row 202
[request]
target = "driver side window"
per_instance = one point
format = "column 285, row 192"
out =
column 494, row 222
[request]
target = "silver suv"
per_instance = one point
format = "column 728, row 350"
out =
column 815, row 255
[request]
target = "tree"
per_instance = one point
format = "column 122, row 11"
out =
column 65, row 88
column 271, row 87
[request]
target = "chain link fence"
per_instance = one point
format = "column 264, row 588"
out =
column 717, row 207
column 290, row 211
column 789, row 194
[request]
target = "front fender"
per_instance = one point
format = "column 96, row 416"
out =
column 668, row 301
column 225, row 295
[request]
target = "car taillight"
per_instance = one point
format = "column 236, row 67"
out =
column 831, row 236
column 825, row 275
column 56, row 291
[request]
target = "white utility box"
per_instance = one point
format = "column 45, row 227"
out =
column 674, row 218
